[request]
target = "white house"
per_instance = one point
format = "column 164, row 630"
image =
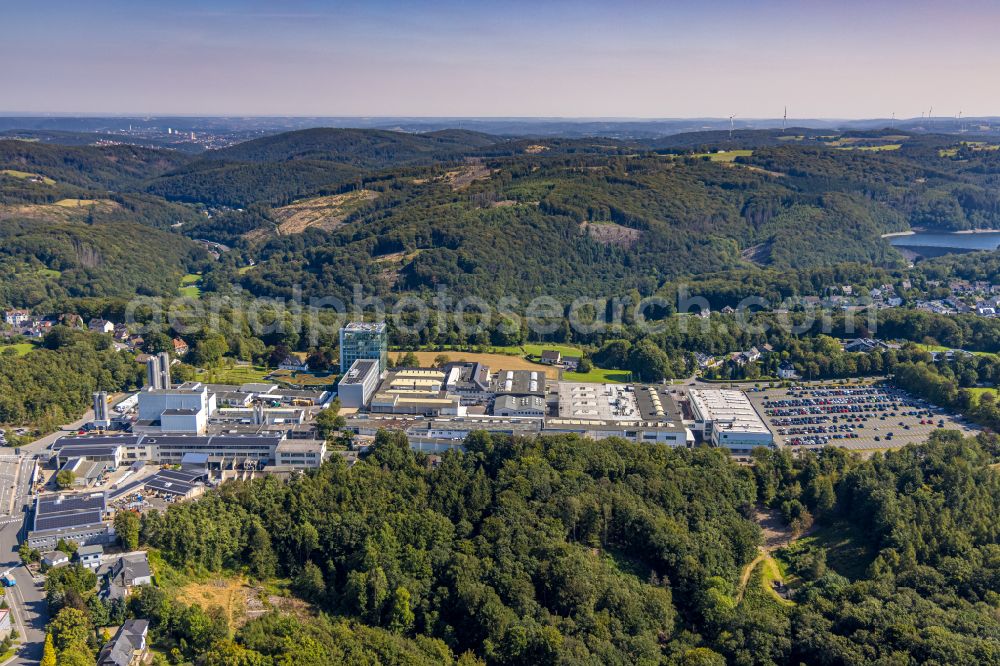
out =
column 101, row 326
column 787, row 371
column 16, row 317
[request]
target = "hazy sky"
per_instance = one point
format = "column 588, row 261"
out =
column 502, row 58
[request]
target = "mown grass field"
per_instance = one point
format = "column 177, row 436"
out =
column 598, row 375
column 20, row 348
column 237, row 374
column 979, row 391
column 565, row 350
column 24, row 175
column 727, row 156
column 875, row 149
column 189, row 287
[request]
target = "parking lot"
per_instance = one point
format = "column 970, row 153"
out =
column 860, row 417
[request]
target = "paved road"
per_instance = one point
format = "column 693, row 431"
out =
column 43, row 443
column 26, row 599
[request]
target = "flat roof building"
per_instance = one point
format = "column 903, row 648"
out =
column 359, row 383
column 364, row 340
column 78, row 518
column 598, row 402
column 726, row 418
column 512, row 405
column 518, row 382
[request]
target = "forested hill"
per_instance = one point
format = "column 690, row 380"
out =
column 355, row 147
column 561, row 550
column 404, row 213
column 105, row 167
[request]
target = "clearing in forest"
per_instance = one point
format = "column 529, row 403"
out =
column 326, row 213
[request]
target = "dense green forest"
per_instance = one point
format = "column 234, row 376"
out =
column 52, row 385
column 495, row 217
column 566, row 550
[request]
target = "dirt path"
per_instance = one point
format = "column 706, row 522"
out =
column 745, row 576
column 777, row 535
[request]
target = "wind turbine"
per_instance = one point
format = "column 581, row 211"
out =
column 784, row 118
column 892, row 120
column 731, row 126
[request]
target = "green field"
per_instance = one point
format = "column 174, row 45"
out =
column 189, row 286
column 21, row 348
column 978, row 391
column 727, row 156
column 888, row 146
column 237, row 374
column 23, row 175
column 304, row 380
column 598, row 375
column 537, row 349
column 245, row 374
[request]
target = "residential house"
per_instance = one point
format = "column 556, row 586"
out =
column 787, row 371
column 101, row 326
column 180, row 347
column 55, row 558
column 90, row 556
column 294, row 363
column 125, row 573
column 550, row 357
column 705, row 361
column 16, row 317
column 128, row 647
column 571, row 363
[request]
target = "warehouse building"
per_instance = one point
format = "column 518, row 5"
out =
column 227, row 450
column 510, row 405
column 598, row 402
column 642, row 432
column 519, row 383
column 469, row 381
column 725, row 418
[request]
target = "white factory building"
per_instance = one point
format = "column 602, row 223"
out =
column 184, row 409
column 726, row 418
column 359, row 383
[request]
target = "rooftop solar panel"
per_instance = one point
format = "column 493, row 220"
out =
column 72, row 520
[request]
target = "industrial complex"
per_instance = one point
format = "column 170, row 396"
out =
column 169, row 442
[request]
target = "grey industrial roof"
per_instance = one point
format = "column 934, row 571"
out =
column 358, row 371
